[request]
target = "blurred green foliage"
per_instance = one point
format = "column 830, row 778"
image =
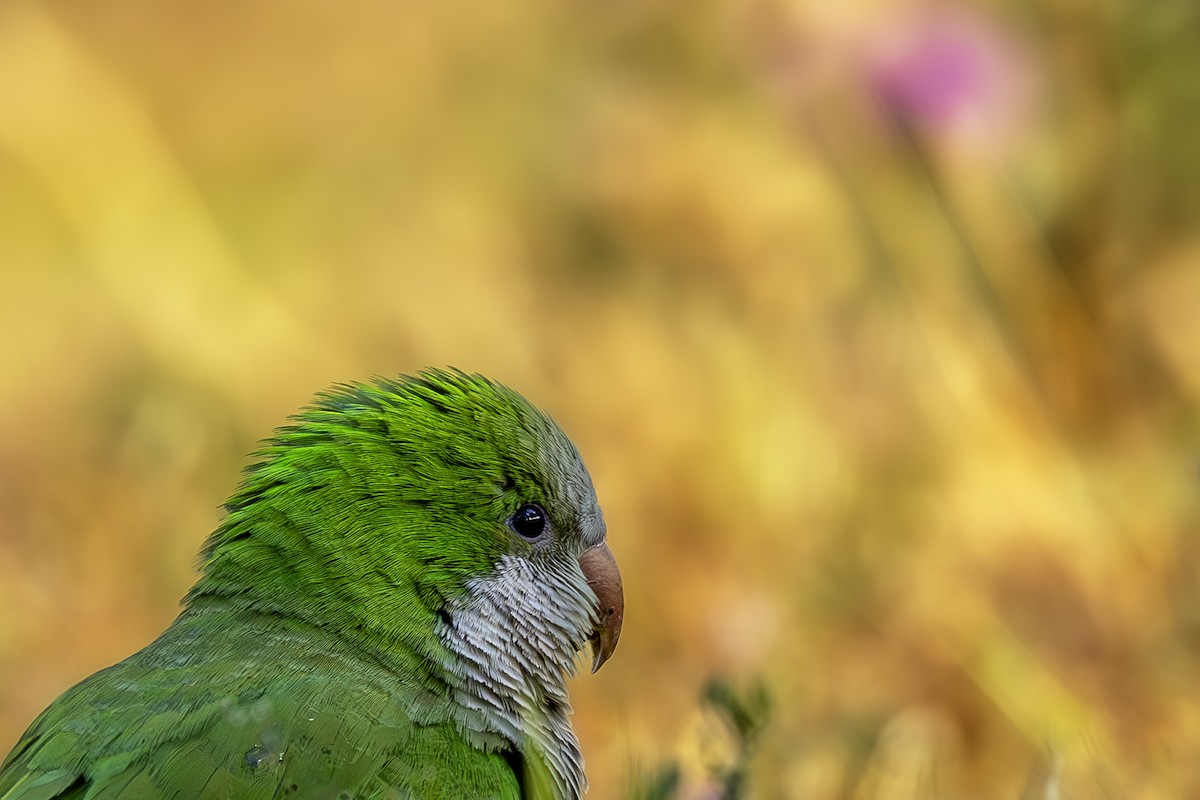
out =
column 743, row 713
column 876, row 326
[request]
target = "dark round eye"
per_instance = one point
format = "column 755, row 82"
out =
column 529, row 521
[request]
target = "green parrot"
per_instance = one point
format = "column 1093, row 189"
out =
column 390, row 609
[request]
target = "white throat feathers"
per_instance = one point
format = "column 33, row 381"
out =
column 517, row 634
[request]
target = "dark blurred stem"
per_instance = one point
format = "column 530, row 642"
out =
column 985, row 290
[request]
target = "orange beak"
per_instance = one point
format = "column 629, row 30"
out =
column 600, row 569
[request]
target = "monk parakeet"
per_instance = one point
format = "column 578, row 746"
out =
column 390, row 609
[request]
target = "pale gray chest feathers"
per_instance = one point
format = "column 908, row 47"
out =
column 516, row 635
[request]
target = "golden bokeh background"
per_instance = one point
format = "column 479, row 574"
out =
column 878, row 328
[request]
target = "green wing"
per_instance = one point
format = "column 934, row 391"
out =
column 265, row 715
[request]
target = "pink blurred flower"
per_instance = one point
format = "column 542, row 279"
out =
column 951, row 72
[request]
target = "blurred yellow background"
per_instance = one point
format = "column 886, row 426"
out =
column 879, row 329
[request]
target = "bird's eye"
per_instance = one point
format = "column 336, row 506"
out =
column 529, row 521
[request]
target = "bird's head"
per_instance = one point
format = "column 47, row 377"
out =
column 440, row 519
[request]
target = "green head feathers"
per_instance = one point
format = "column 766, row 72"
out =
column 396, row 494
